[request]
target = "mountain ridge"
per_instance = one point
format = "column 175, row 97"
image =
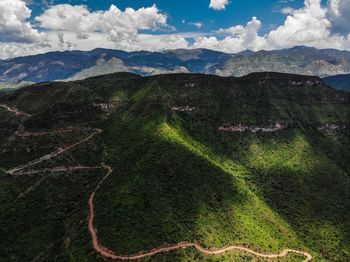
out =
column 67, row 65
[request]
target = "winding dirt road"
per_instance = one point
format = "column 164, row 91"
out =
column 97, row 246
column 110, row 254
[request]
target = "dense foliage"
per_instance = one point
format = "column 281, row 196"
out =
column 177, row 175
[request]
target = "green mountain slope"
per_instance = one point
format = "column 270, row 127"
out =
column 259, row 161
column 341, row 82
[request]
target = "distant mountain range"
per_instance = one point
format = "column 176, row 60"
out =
column 298, row 60
column 76, row 65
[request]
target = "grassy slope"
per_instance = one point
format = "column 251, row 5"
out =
column 177, row 178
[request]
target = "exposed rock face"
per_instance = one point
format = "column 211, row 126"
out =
column 331, row 126
column 191, row 85
column 242, row 128
column 313, row 82
column 183, row 108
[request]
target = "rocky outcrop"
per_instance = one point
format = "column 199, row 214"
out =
column 332, row 126
column 255, row 129
column 183, row 108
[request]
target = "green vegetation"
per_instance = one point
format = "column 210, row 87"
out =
column 8, row 86
column 43, row 217
column 176, row 176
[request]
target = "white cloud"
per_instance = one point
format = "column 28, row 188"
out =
column 161, row 42
column 339, row 15
column 68, row 41
column 312, row 25
column 237, row 38
column 287, row 10
column 9, row 50
column 305, row 26
column 76, row 27
column 115, row 24
column 196, row 24
column 13, row 23
column 218, row 4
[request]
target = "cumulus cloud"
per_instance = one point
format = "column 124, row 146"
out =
column 9, row 50
column 218, row 4
column 14, row 26
column 76, row 27
column 115, row 24
column 236, row 38
column 312, row 25
column 304, row 26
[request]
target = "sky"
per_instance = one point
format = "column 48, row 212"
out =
column 38, row 26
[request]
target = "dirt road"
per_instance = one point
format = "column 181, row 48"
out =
column 110, row 254
column 14, row 110
column 52, row 154
column 46, row 133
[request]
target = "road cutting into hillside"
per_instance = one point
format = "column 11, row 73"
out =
column 46, row 133
column 56, row 170
column 105, row 252
column 14, row 110
column 54, row 154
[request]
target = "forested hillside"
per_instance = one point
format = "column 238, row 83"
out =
column 128, row 164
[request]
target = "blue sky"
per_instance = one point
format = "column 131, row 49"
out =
column 236, row 12
column 37, row 26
